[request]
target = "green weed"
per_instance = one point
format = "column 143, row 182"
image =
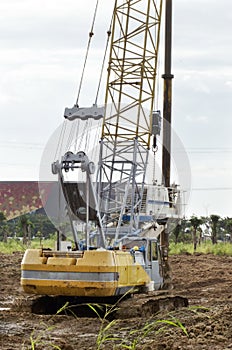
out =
column 135, row 337
column 104, row 333
column 42, row 338
column 174, row 323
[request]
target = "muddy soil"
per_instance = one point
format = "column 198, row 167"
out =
column 206, row 281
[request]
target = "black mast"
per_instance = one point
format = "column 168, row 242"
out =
column 166, row 154
column 167, row 98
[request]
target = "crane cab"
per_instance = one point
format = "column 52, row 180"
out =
column 147, row 253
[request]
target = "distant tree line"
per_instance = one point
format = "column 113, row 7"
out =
column 26, row 227
column 197, row 229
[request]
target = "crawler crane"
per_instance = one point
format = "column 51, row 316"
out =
column 125, row 245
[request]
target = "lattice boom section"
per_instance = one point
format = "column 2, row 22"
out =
column 132, row 70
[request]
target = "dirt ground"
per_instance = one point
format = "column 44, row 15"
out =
column 206, row 281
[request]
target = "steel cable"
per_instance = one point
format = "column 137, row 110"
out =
column 91, row 33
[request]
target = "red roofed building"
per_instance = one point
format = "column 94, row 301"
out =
column 21, row 197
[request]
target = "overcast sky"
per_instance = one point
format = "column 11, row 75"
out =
column 42, row 48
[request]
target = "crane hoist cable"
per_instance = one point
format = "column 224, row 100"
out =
column 70, row 138
column 103, row 62
column 63, row 129
column 91, row 33
column 76, row 135
column 60, row 141
column 80, row 135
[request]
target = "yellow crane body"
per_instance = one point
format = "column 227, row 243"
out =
column 98, row 273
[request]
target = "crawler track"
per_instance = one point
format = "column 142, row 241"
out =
column 138, row 305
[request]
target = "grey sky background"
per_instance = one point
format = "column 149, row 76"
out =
column 42, row 48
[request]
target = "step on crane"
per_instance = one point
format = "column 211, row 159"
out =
column 126, row 248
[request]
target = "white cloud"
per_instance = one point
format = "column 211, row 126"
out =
column 228, row 83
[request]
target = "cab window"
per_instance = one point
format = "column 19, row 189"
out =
column 153, row 251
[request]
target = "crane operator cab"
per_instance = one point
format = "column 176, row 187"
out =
column 146, row 252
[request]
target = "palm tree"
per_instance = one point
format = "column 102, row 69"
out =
column 25, row 225
column 214, row 222
column 195, row 223
column 177, row 231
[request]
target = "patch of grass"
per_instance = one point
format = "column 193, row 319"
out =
column 221, row 248
column 14, row 245
column 180, row 248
